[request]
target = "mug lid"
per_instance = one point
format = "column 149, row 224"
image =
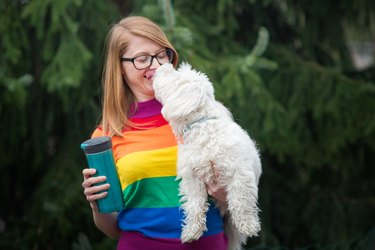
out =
column 97, row 144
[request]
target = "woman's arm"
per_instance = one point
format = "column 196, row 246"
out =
column 107, row 223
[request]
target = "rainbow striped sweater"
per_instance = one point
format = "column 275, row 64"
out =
column 146, row 163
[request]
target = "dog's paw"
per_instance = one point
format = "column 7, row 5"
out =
column 249, row 226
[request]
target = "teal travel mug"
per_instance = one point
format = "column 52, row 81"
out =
column 99, row 155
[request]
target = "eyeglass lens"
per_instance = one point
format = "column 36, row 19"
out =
column 142, row 62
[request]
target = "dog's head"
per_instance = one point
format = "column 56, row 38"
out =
column 183, row 92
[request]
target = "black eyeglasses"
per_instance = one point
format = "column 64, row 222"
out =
column 145, row 61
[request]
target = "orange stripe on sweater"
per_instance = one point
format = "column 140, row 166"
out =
column 158, row 138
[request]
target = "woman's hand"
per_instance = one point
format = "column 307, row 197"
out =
column 213, row 188
column 91, row 191
column 107, row 223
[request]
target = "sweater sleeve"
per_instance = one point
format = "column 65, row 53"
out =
column 98, row 132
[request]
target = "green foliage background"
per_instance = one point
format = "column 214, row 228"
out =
column 283, row 68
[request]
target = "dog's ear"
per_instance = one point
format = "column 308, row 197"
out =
column 186, row 99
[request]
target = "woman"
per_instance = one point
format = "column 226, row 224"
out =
column 144, row 147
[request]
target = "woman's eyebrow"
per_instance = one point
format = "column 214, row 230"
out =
column 142, row 53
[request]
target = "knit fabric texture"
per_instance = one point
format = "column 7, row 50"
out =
column 146, row 163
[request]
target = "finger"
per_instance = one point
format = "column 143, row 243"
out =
column 93, row 180
column 220, row 194
column 95, row 197
column 87, row 172
column 95, row 189
column 211, row 188
column 215, row 172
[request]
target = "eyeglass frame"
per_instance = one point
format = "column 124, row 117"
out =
column 167, row 51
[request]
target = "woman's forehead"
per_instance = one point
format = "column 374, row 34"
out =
column 141, row 45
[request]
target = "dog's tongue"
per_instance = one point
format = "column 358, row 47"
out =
column 150, row 74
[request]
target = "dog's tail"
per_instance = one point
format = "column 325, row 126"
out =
column 235, row 238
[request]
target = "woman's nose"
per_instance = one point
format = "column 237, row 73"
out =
column 154, row 63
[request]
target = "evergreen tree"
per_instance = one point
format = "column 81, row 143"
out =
column 283, row 67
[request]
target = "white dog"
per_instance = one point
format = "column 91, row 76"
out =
column 207, row 134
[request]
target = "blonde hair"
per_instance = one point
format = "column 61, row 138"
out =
column 117, row 97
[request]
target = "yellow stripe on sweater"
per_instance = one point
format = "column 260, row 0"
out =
column 147, row 164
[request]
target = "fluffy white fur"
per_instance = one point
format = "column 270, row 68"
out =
column 208, row 134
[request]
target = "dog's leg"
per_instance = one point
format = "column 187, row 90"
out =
column 195, row 206
column 242, row 202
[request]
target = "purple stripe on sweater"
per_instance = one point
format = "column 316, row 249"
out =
column 146, row 109
column 136, row 241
